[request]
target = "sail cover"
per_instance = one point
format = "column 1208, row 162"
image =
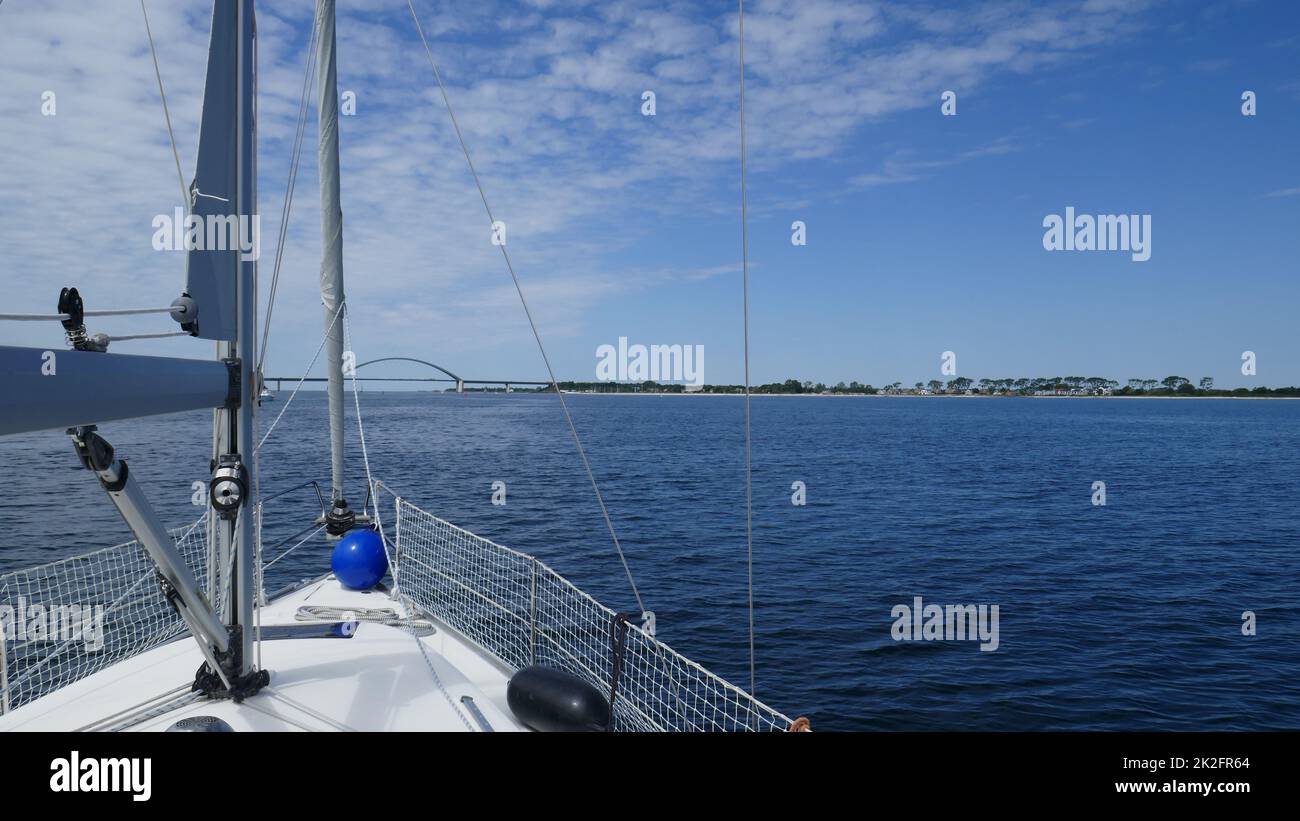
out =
column 211, row 270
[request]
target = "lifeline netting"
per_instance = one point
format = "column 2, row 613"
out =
column 511, row 604
column 523, row 612
column 62, row 621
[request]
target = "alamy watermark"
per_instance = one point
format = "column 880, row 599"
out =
column 125, row 775
column 1104, row 232
column 656, row 363
column 954, row 622
column 214, row 232
column 34, row 622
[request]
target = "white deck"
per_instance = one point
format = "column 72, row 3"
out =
column 376, row 680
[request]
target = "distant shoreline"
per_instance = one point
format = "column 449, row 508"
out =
column 880, row 395
column 1057, row 387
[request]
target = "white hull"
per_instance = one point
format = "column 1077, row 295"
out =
column 377, row 680
column 468, row 615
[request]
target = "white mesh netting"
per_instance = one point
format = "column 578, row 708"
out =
column 509, row 603
column 523, row 612
column 62, row 621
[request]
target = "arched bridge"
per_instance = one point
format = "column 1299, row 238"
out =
column 453, row 376
column 450, row 377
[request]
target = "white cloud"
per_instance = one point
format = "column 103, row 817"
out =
column 548, row 96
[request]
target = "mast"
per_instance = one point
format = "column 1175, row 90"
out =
column 220, row 303
column 246, row 333
column 340, row 519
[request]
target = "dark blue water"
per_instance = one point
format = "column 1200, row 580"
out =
column 1126, row 616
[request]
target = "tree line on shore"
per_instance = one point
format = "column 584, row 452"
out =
column 961, row 385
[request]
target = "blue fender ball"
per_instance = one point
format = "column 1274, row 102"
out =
column 359, row 561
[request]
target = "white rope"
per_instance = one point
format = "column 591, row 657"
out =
column 144, row 705
column 228, row 572
column 32, row 317
column 153, row 708
column 577, row 440
column 744, row 250
column 297, row 388
column 146, row 336
column 62, row 317
column 259, row 592
column 361, row 432
column 321, row 612
column 385, row 616
column 180, row 176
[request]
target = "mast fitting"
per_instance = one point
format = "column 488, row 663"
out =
column 340, row 519
column 186, row 312
column 74, row 327
column 228, row 487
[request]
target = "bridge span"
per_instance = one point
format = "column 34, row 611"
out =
column 450, row 377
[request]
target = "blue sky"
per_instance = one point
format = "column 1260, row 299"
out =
column 924, row 231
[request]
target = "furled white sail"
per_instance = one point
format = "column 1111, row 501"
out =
column 331, row 221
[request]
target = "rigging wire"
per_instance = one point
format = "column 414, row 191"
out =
column 744, row 252
column 308, row 538
column 309, row 82
column 184, row 199
column 298, row 387
column 361, row 431
column 372, row 494
column 577, row 440
column 180, row 176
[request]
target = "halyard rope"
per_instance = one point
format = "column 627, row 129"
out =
column 361, row 432
column 61, row 317
column 582, row 454
column 162, row 335
column 308, row 82
column 160, row 704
